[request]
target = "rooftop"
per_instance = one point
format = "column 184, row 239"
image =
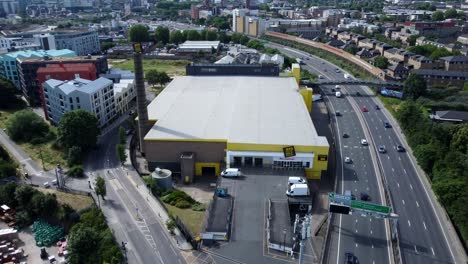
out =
column 59, row 59
column 233, row 109
column 190, row 45
column 452, row 115
column 39, row 53
column 83, row 85
column 455, row 58
column 442, row 73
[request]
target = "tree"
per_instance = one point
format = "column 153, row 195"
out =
column 74, row 156
column 451, row 13
column 120, row 150
column 25, row 125
column 8, row 98
column 438, row 16
column 122, row 136
column 235, row 37
column 138, row 33
column 176, row 37
column 203, row 34
column 193, row 35
column 410, row 116
column 415, row 86
column 439, row 53
column 75, row 171
column 7, row 194
column 78, row 128
column 163, row 78
column 23, row 195
column 22, row 218
column 83, row 244
column 224, row 38
column 244, row 39
column 412, row 40
column 107, row 45
column 7, row 169
column 100, row 188
column 352, row 49
column 460, row 140
column 211, row 35
column 381, row 62
column 151, row 77
column 162, row 35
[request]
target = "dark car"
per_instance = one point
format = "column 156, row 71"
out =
column 358, row 94
column 43, row 253
column 345, row 135
column 337, row 113
column 387, row 124
column 400, row 148
column 377, row 107
column 333, row 89
column 365, row 197
column 350, row 258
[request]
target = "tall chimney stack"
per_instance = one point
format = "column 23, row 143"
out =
column 143, row 124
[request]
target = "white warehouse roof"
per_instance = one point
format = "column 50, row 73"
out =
column 255, row 110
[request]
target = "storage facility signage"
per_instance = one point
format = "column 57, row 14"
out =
column 322, row 157
column 137, row 47
column 289, row 152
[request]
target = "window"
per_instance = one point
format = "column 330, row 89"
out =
column 71, row 100
column 77, row 99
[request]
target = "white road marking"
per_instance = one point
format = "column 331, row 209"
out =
column 345, row 146
column 432, row 249
column 356, row 146
column 389, row 137
column 411, row 186
column 355, row 181
column 417, row 204
column 372, row 245
column 367, row 188
column 398, row 185
column 356, row 230
column 399, row 158
column 356, row 220
column 403, row 201
column 424, row 224
column 409, row 223
column 380, row 136
column 415, row 249
column 404, row 171
column 388, row 157
column 371, row 232
column 365, row 172
column 393, row 169
column 356, row 244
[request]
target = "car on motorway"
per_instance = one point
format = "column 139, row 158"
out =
column 350, row 258
column 365, row 196
column 337, row 70
column 364, row 142
column 364, row 109
column 347, row 160
column 377, row 107
column 345, row 135
column 333, row 89
column 382, row 149
column 387, row 124
column 320, row 76
column 358, row 94
column 338, row 94
column 400, row 148
column 337, row 113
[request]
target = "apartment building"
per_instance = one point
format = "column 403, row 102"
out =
column 422, row 62
column 82, row 42
column 96, row 97
column 367, row 43
column 399, row 55
column 438, row 28
column 455, row 63
column 443, row 78
column 8, row 62
column 28, row 67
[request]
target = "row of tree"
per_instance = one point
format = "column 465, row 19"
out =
column 449, row 13
column 7, row 165
column 431, row 51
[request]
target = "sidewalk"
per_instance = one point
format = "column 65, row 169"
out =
column 155, row 205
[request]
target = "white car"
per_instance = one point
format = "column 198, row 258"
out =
column 364, row 142
column 347, row 160
column 46, row 184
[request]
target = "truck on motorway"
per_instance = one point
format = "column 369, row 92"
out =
column 338, row 94
column 298, row 60
column 300, row 189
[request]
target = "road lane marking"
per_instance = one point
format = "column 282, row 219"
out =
column 356, row 245
column 356, row 230
column 409, row 223
column 404, row 171
column 398, row 185
column 417, row 204
column 424, row 224
column 393, row 169
column 432, row 249
column 388, row 157
column 355, row 181
column 345, row 146
column 372, row 245
column 411, row 186
column 371, row 232
column 403, row 201
column 415, row 249
column 399, row 158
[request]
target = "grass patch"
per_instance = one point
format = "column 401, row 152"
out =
column 392, row 104
column 4, row 115
column 192, row 219
column 76, row 201
column 171, row 67
column 50, row 155
column 285, row 74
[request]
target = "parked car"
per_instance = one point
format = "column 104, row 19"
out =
column 365, row 196
column 320, row 76
column 337, row 70
column 364, row 109
column 400, row 148
column 44, row 253
column 46, row 184
column 54, row 182
column 382, row 149
column 364, row 142
column 345, row 135
column 347, row 160
column 298, row 190
column 296, row 180
column 350, row 194
column 337, row 113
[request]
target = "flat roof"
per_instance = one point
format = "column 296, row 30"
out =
column 254, row 110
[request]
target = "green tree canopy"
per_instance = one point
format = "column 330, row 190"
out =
column 83, row 245
column 211, row 35
column 8, row 98
column 176, row 37
column 451, row 13
column 74, row 156
column 244, row 40
column 352, row 49
column 25, row 125
column 193, row 35
column 121, row 155
column 162, row 35
column 78, row 128
column 100, row 187
column 381, row 62
column 415, row 86
column 138, row 33
column 151, row 77
column 438, row 16
column 163, row 78
column 23, row 195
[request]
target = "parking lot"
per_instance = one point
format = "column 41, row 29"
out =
column 251, row 192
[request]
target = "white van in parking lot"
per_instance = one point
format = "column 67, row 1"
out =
column 231, row 172
column 296, row 180
column 298, row 190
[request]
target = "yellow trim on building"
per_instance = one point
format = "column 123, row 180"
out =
column 200, row 165
column 296, row 71
column 307, row 96
column 273, row 147
column 187, row 140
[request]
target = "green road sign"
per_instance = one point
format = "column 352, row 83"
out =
column 370, row 207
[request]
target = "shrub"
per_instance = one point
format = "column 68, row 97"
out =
column 182, row 204
column 171, row 225
column 75, row 171
column 198, row 207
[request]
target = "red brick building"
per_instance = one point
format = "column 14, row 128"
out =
column 64, row 72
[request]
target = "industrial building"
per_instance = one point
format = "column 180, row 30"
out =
column 202, row 124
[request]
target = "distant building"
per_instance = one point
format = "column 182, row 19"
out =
column 455, row 63
column 450, row 116
column 421, row 62
column 232, row 70
column 83, row 43
column 124, row 90
column 443, row 78
column 96, row 97
column 438, row 28
column 28, row 67
column 8, row 64
column 194, row 47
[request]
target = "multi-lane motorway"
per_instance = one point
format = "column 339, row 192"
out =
column 423, row 234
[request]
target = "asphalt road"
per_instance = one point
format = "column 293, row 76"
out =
column 423, row 235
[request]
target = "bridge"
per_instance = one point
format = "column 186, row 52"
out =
column 376, row 83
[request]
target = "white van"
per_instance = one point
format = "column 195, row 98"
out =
column 296, row 180
column 338, row 94
column 231, row 172
column 298, row 190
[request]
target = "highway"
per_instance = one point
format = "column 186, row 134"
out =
column 423, row 232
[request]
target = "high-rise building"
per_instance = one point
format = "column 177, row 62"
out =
column 47, row 41
column 96, row 97
column 28, row 67
column 82, row 42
